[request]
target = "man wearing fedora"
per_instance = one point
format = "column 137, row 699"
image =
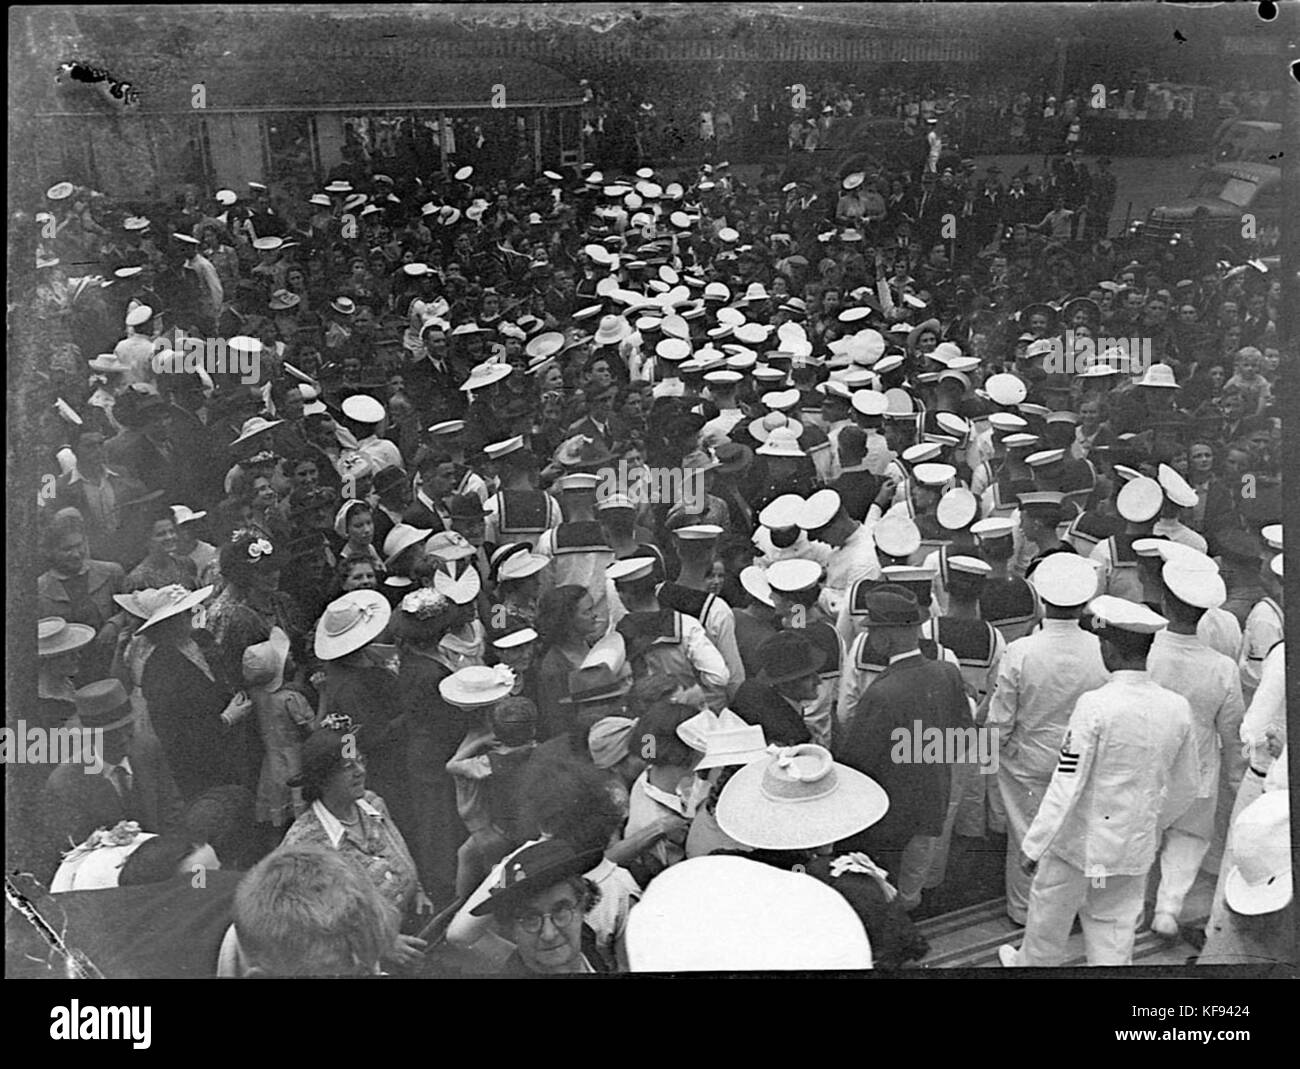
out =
column 128, row 779
column 913, row 694
column 785, row 690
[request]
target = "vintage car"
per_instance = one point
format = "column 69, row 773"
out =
column 1238, row 205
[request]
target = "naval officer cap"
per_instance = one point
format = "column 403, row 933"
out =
column 792, row 576
column 1110, row 613
column 1065, row 580
column 1199, row 587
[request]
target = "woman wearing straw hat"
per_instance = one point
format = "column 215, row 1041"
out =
column 361, row 684
column 790, row 807
column 205, row 735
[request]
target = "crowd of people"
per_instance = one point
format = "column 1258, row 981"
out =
column 537, row 578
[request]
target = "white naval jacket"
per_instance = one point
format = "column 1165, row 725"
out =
column 1211, row 684
column 1127, row 770
column 1040, row 679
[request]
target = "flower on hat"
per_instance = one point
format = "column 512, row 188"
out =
column 425, row 603
column 259, row 548
column 123, row 833
column 337, row 722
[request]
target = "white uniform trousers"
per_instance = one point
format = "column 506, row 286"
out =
column 1021, row 796
column 1185, row 845
column 1109, row 908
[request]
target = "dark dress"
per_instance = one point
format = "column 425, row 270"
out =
column 434, row 731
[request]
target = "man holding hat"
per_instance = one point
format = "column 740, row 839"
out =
column 1040, row 678
column 1096, row 833
column 913, row 696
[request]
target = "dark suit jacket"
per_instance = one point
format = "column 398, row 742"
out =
column 759, row 703
column 857, row 490
column 74, row 803
column 104, row 580
column 908, row 691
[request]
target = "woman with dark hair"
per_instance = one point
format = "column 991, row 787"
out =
column 435, row 729
column 250, row 602
column 346, row 818
column 566, row 626
column 162, row 564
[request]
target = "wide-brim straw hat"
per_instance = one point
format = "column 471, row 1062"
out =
column 798, row 798
column 263, row 663
column 477, row 686
column 351, row 622
column 175, row 600
column 55, row 636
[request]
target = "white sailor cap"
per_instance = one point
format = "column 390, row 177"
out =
column 956, row 508
column 578, row 480
column 897, row 535
column 1065, row 580
column 673, row 349
column 969, row 566
column 888, row 363
column 1139, row 500
column 1196, row 586
column 1125, row 472
column 819, row 510
column 782, row 512
column 1020, row 440
column 497, row 450
column 447, row 427
column 790, row 576
column 1006, row 422
column 138, row 315
column 1005, row 389
column 751, row 333
column 363, row 409
column 781, row 400
column 934, row 474
column 1112, row 613
column 630, row 569
column 767, row 373
column 992, row 527
column 726, row 377
column 953, row 424
column 1175, row 487
column 1275, row 565
column 698, row 532
column 921, row 452
column 1044, row 457
column 869, row 402
column 754, row 580
column 1272, row 535
column 615, row 501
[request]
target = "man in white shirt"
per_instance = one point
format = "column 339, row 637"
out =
column 853, row 551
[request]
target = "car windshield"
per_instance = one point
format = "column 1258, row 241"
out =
column 1238, row 191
